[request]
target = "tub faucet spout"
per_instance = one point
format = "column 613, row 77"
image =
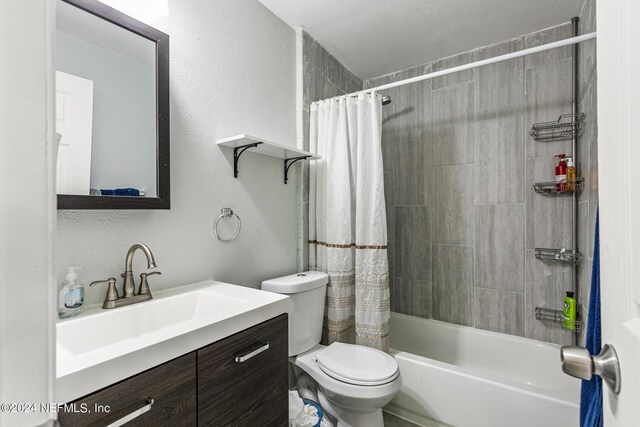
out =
column 128, row 288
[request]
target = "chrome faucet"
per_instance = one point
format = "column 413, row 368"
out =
column 129, row 287
column 112, row 299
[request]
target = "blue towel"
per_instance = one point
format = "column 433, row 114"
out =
column 591, row 393
column 120, row 192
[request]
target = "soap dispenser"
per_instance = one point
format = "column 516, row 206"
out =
column 70, row 294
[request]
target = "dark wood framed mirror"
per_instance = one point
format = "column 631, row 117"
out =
column 112, row 109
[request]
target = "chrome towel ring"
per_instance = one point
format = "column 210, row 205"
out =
column 227, row 213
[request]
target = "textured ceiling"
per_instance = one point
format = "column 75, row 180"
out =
column 377, row 37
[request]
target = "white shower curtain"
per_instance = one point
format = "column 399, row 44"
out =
column 347, row 218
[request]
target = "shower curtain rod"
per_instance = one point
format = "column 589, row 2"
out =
column 495, row 59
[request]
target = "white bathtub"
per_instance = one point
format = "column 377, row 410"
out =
column 465, row 377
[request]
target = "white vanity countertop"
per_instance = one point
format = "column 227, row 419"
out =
column 101, row 347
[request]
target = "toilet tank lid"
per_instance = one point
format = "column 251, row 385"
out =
column 296, row 283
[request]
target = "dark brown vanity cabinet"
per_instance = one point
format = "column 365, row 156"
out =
column 172, row 386
column 241, row 382
column 238, row 381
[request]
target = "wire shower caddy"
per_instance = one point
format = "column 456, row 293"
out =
column 565, row 127
column 557, row 316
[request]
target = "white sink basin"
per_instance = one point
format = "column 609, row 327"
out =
column 144, row 323
column 101, row 347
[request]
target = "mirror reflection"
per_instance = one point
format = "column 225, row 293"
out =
column 105, row 107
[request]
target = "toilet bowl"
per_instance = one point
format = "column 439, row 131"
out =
column 354, row 382
column 352, row 389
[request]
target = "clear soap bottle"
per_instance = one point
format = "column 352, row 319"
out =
column 70, row 295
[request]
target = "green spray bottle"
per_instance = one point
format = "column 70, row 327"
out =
column 569, row 312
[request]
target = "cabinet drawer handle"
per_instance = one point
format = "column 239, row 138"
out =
column 134, row 414
column 247, row 354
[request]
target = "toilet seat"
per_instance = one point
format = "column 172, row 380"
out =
column 357, row 365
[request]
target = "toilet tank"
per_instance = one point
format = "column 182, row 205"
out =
column 306, row 292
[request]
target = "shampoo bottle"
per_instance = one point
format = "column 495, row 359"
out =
column 561, row 173
column 571, row 174
column 569, row 312
column 70, row 295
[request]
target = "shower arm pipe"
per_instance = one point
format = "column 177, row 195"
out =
column 575, row 95
column 495, row 59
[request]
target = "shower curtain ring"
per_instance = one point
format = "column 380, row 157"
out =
column 227, row 213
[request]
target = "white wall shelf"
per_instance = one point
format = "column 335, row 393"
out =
column 241, row 143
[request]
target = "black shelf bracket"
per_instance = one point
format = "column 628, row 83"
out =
column 287, row 165
column 237, row 152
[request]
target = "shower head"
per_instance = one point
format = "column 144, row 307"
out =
column 386, row 100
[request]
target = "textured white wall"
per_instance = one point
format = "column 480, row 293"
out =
column 27, row 208
column 232, row 71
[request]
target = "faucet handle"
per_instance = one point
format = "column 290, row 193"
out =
column 144, row 285
column 112, row 292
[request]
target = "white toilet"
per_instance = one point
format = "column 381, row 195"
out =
column 354, row 382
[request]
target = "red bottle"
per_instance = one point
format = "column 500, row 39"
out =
column 561, row 173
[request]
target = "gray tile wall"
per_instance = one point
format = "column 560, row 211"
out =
column 463, row 219
column 323, row 77
column 459, row 164
column 411, row 185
